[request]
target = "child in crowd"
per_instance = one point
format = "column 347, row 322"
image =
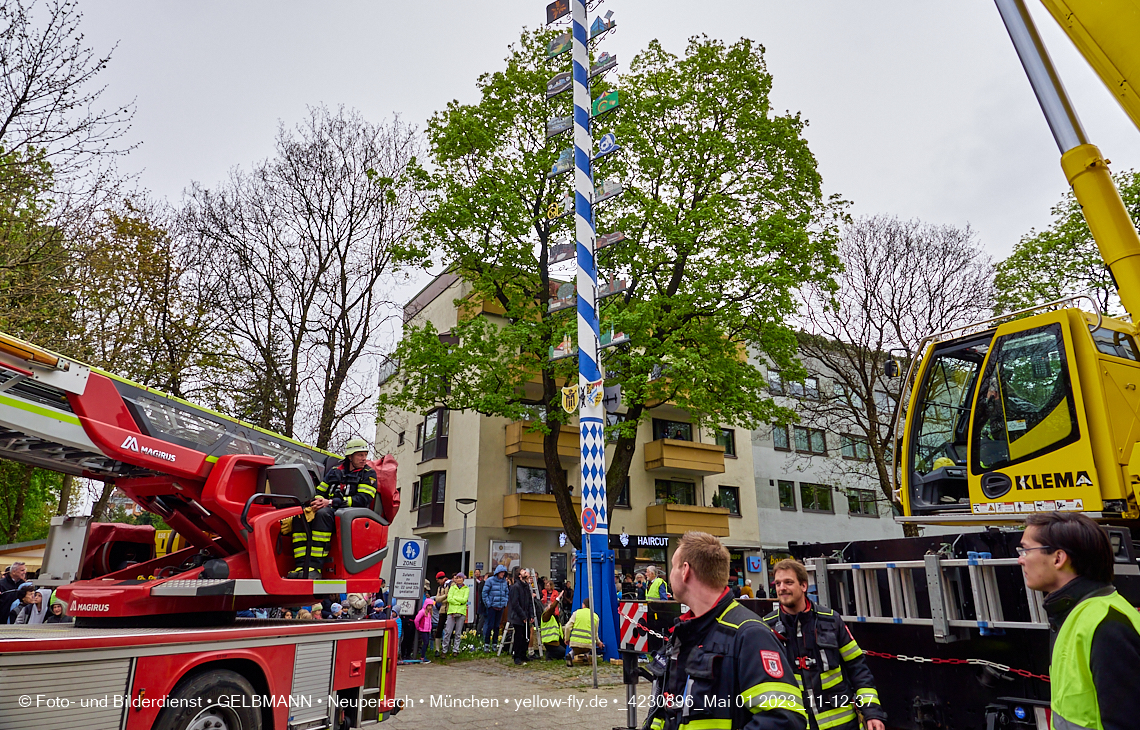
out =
column 423, row 626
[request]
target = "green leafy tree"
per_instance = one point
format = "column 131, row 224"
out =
column 1063, row 259
column 28, row 498
column 724, row 219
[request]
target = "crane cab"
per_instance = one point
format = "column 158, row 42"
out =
column 1027, row 415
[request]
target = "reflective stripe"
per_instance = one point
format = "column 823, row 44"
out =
column 869, row 695
column 835, row 718
column 710, row 724
column 831, row 677
column 1060, row 723
column 657, row 724
column 774, row 696
column 850, row 651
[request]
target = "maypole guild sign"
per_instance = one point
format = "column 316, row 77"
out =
column 560, row 45
column 558, row 84
column 570, row 398
column 556, row 10
column 604, row 103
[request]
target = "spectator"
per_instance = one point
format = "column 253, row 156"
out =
column 305, row 615
column 567, row 599
column 581, row 632
column 318, row 610
column 379, row 611
column 36, row 611
column 21, row 599
column 439, row 620
column 639, row 586
column 627, row 590
column 336, row 612
column 477, row 582
column 423, row 626
column 56, row 614
column 496, row 593
column 520, row 610
column 747, row 589
column 457, row 596
column 357, row 606
column 14, row 575
column 287, row 615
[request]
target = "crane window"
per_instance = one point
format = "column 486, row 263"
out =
column 1025, row 402
column 1117, row 344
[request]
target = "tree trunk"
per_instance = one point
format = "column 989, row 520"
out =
column 619, row 466
column 18, row 508
column 65, row 496
column 100, row 506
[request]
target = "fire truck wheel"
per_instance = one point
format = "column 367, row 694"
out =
column 212, row 700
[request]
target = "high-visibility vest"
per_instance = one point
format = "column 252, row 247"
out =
column 549, row 632
column 657, row 589
column 580, row 628
column 1071, row 689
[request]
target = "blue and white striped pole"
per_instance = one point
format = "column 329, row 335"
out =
column 591, row 418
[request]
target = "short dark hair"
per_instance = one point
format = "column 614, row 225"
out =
column 793, row 565
column 1084, row 541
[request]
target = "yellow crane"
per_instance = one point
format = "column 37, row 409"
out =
column 1039, row 410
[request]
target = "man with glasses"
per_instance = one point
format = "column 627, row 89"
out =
column 1095, row 632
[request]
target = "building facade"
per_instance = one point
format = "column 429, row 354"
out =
column 682, row 478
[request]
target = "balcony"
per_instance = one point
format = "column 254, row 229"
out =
column 677, row 519
column 684, row 456
column 520, row 440
column 537, row 510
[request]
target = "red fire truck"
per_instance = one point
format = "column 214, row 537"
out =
column 155, row 643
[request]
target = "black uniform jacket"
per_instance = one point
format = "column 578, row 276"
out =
column 348, row 487
column 726, row 669
column 831, row 668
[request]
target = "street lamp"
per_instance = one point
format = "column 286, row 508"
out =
column 459, row 505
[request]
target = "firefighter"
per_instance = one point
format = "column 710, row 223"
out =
column 828, row 663
column 1094, row 631
column 351, row 483
column 722, row 668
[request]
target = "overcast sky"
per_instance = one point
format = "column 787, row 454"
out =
column 917, row 109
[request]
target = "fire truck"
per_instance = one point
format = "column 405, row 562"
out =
column 155, row 642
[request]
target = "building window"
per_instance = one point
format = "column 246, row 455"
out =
column 787, row 495
column 775, row 384
column 622, row 499
column 674, row 492
column 400, row 439
column 726, row 437
column 854, row 447
column 672, row 430
column 534, row 480
column 809, row 388
column 816, row 497
column 862, row 502
column 419, row 436
column 810, row 441
column 728, row 497
column 435, row 429
column 780, row 438
column 428, row 498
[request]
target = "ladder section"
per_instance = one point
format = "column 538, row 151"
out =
column 947, row 594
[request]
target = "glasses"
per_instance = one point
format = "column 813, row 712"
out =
column 1023, row 550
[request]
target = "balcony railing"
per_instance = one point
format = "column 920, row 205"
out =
column 430, row 515
column 677, row 519
column 534, row 510
column 689, row 457
column 521, row 440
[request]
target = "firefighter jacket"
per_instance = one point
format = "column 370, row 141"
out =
column 348, row 487
column 724, row 670
column 829, row 666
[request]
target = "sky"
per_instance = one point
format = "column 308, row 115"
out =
column 915, row 109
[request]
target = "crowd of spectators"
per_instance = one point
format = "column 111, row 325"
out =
column 21, row 602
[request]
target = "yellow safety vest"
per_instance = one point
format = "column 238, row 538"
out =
column 549, row 632
column 580, row 633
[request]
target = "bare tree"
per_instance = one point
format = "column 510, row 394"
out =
column 902, row 281
column 300, row 249
column 49, row 100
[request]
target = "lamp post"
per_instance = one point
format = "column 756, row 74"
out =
column 459, row 505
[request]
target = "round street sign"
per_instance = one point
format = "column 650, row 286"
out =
column 589, row 520
column 411, row 550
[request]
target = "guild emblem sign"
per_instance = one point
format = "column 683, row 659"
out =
column 570, row 398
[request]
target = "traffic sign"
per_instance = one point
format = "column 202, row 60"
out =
column 589, row 520
column 411, row 553
column 407, row 583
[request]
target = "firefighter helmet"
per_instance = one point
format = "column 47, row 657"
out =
column 355, row 445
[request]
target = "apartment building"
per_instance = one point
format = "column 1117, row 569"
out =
column 682, row 478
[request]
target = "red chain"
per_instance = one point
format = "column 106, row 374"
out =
column 938, row 660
